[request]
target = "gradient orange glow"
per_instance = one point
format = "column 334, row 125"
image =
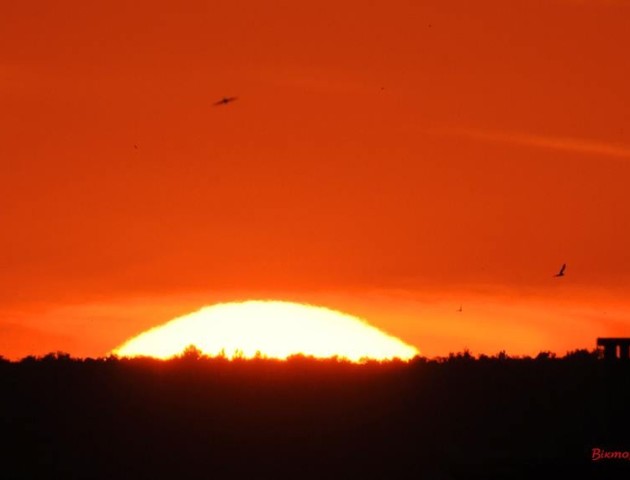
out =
column 269, row 329
column 395, row 159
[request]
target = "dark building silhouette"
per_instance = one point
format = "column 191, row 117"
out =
column 615, row 348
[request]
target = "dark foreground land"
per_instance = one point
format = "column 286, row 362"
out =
column 206, row 419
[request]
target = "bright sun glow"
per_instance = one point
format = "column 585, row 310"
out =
column 270, row 328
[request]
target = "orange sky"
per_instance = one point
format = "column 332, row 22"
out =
column 390, row 159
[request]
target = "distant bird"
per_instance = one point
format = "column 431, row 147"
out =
column 460, row 308
column 224, row 101
column 561, row 272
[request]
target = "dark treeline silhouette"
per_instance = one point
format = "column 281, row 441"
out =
column 194, row 417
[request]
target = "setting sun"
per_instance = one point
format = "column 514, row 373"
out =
column 271, row 329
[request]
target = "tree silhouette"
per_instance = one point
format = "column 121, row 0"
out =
column 191, row 353
column 192, row 416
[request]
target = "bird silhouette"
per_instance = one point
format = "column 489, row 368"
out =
column 460, row 308
column 561, row 272
column 224, row 101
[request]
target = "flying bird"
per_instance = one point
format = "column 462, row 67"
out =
column 224, row 101
column 460, row 308
column 561, row 272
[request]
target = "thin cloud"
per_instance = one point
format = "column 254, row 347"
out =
column 567, row 144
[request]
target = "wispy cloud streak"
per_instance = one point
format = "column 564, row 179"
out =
column 567, row 144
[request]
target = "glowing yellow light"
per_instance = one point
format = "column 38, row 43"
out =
column 269, row 328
